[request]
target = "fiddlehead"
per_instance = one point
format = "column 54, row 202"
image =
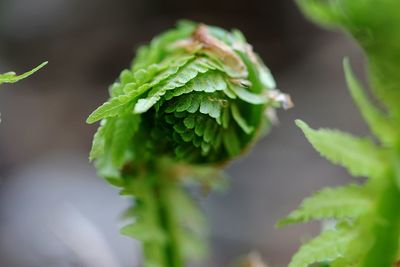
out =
column 194, row 98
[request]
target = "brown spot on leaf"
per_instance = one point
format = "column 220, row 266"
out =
column 225, row 53
column 202, row 40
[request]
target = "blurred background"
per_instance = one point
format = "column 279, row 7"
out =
column 55, row 212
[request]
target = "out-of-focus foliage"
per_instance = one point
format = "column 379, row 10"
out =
column 367, row 217
column 194, row 98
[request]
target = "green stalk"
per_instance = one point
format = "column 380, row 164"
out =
column 169, row 223
column 386, row 227
column 157, row 195
column 153, row 252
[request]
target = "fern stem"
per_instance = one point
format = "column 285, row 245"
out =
column 169, row 224
column 153, row 252
column 386, row 228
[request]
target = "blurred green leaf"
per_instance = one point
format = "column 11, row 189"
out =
column 359, row 156
column 345, row 202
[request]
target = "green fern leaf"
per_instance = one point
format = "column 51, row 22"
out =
column 378, row 122
column 231, row 142
column 184, row 76
column 189, row 72
column 150, row 77
column 99, row 141
column 329, row 246
column 210, row 131
column 144, row 232
column 209, row 83
column 112, row 108
column 240, row 120
column 200, row 127
column 359, row 156
column 210, row 105
column 248, row 96
column 117, row 104
column 12, row 77
column 339, row 203
column 125, row 128
column 266, row 77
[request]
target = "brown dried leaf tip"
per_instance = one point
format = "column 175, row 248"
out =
column 202, row 40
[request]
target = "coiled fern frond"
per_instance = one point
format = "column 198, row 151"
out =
column 195, row 98
column 198, row 92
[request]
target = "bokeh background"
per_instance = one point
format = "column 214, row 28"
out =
column 55, row 212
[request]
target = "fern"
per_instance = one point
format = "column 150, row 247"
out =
column 193, row 99
column 370, row 211
column 380, row 124
column 360, row 156
column 12, row 77
column 329, row 246
column 342, row 203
